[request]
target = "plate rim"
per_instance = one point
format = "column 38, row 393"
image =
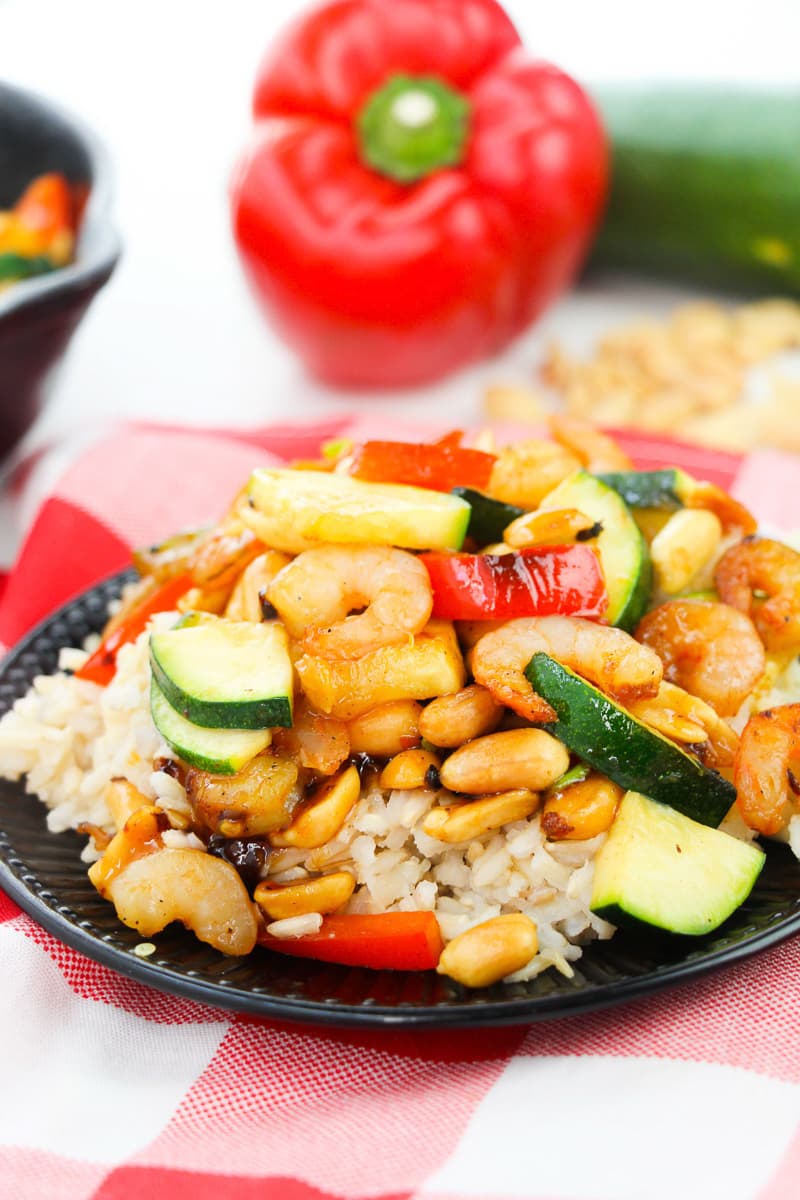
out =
column 230, row 998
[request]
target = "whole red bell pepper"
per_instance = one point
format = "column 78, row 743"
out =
column 540, row 582
column 418, row 189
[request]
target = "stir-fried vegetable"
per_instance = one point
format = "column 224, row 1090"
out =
column 440, row 466
column 525, row 583
column 395, row 941
column 38, row 234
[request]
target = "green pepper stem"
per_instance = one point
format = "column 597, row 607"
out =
column 412, row 126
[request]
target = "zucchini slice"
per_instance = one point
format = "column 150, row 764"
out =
column 296, row 510
column 225, row 674
column 636, row 757
column 662, row 869
column 624, row 555
column 489, row 518
column 220, row 751
column 663, row 489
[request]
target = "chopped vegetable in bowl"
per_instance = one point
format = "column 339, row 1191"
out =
column 38, row 234
column 342, row 725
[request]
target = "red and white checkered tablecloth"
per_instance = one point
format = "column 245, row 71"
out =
column 111, row 1091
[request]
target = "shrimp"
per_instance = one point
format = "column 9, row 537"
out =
column 709, row 649
column 761, row 565
column 606, row 656
column 767, row 768
column 315, row 593
column 596, row 451
column 687, row 719
column 528, row 471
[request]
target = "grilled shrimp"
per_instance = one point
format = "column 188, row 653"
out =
column 606, row 656
column 688, row 719
column 596, row 451
column 767, row 768
column 315, row 593
column 761, row 565
column 528, row 471
column 710, row 649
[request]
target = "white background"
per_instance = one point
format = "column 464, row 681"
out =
column 166, row 83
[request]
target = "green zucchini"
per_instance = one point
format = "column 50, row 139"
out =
column 623, row 552
column 489, row 518
column 296, row 510
column 663, row 489
column 705, row 184
column 220, row 751
column 634, row 756
column 225, row 674
column 659, row 868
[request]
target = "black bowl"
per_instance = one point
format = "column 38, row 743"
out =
column 38, row 316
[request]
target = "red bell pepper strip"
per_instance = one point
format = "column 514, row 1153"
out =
column 438, row 465
column 102, row 663
column 453, row 439
column 395, row 941
column 417, row 189
column 536, row 582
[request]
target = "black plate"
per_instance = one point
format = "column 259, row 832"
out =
column 43, row 873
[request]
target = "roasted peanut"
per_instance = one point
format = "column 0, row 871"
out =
column 514, row 404
column 489, row 952
column 550, row 528
column 683, row 547
column 386, row 730
column 322, row 895
column 501, row 762
column 455, row 719
column 463, row 822
column 319, row 819
column 409, row 769
column 582, row 810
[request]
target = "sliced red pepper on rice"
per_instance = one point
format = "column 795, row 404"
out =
column 101, row 665
column 537, row 582
column 394, row 941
